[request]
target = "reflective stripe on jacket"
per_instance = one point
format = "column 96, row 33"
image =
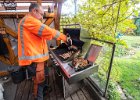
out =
column 32, row 36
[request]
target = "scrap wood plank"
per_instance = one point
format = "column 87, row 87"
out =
column 8, row 29
column 10, row 50
column 68, row 98
column 11, row 57
column 4, row 73
column 21, row 14
column 75, row 97
column 81, row 95
column 49, row 21
column 31, row 97
column 19, row 91
column 5, row 60
column 59, row 94
column 52, row 94
column 87, row 95
column 26, row 90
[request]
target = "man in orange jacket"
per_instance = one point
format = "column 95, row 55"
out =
column 32, row 47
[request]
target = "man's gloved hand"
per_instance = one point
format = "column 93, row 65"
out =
column 69, row 41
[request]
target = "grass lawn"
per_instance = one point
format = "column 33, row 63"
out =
column 132, row 40
column 130, row 73
column 129, row 69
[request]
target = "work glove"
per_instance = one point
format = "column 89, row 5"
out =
column 69, row 41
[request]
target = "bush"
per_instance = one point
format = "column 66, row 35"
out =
column 112, row 91
column 120, row 51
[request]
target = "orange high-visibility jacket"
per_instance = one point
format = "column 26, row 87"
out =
column 32, row 36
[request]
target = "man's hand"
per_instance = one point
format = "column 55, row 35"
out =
column 69, row 41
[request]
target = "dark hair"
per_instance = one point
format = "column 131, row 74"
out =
column 33, row 5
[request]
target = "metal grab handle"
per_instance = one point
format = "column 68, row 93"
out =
column 72, row 25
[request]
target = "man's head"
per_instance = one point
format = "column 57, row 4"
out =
column 36, row 10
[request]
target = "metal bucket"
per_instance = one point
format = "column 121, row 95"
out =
column 19, row 75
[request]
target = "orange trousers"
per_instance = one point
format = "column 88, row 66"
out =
column 39, row 78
